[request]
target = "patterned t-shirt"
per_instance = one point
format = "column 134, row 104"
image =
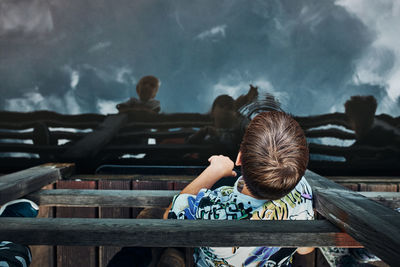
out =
column 227, row 203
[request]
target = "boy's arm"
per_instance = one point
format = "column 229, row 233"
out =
column 220, row 166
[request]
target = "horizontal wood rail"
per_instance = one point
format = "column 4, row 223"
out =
column 16, row 185
column 335, row 133
column 169, row 233
column 143, row 198
column 45, row 115
column 164, row 125
column 49, row 123
column 147, row 134
column 324, row 119
column 103, row 198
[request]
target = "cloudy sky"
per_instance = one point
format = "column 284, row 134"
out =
column 81, row 56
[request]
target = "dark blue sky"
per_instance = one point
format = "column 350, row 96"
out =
column 86, row 56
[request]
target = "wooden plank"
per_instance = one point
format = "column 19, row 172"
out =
column 373, row 225
column 93, row 142
column 43, row 115
column 43, row 255
column 73, row 254
column 167, row 233
column 391, row 201
column 105, row 198
column 388, row 199
column 107, row 252
column 164, row 134
column 29, row 148
column 351, row 186
column 145, row 198
column 18, row 184
column 50, row 123
column 378, row 187
column 138, row 177
column 334, row 133
column 364, row 179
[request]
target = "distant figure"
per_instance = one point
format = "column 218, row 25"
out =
column 146, row 89
column 243, row 100
column 370, row 130
column 224, row 128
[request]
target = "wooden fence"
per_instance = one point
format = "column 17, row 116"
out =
column 90, row 140
column 83, row 233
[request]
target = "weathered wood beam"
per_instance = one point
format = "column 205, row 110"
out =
column 139, row 177
column 364, row 179
column 180, row 177
column 388, row 199
column 132, row 149
column 373, row 225
column 49, row 123
column 93, row 142
column 349, row 151
column 19, row 184
column 29, row 148
column 16, row 135
column 322, row 120
column 167, row 233
column 144, row 198
column 164, row 125
column 45, row 115
column 335, row 133
column 103, row 198
column 164, row 134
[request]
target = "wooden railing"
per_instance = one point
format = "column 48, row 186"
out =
column 352, row 219
column 92, row 139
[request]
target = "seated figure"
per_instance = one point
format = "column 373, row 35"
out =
column 146, row 89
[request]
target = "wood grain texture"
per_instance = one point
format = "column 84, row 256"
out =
column 145, row 198
column 373, row 225
column 93, row 142
column 103, row 198
column 19, row 184
column 43, row 256
column 74, row 254
column 167, row 233
column 107, row 252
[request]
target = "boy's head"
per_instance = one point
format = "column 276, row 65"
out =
column 147, row 88
column 273, row 155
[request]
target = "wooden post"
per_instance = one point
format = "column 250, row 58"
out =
column 73, row 255
column 107, row 252
column 373, row 225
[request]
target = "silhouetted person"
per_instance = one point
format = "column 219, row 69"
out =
column 146, row 89
column 224, row 128
column 370, row 130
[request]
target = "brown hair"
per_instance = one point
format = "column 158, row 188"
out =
column 274, row 155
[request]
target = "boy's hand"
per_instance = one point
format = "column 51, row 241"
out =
column 222, row 166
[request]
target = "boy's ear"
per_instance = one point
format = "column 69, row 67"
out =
column 239, row 159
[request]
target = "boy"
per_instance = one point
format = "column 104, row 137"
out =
column 273, row 157
column 146, row 89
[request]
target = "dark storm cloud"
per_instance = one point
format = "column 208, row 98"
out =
column 83, row 52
